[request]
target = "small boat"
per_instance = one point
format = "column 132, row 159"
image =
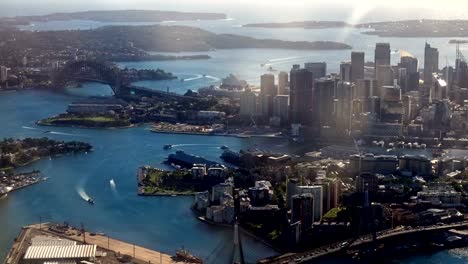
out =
column 182, row 80
column 224, row 147
column 90, row 201
column 46, row 132
column 168, row 146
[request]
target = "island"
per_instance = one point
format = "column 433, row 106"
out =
column 403, row 28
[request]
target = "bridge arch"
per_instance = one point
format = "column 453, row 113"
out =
column 88, row 70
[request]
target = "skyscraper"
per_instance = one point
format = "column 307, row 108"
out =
column 318, row 69
column 343, row 105
column 282, row 82
column 357, row 65
column 324, row 92
column 384, row 76
column 431, row 63
column 301, row 95
column 248, row 103
column 345, row 71
column 281, row 107
column 365, row 88
column 267, row 85
column 382, row 56
column 410, row 63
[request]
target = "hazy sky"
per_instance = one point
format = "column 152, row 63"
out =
column 280, row 9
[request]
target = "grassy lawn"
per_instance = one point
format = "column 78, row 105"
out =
column 333, row 213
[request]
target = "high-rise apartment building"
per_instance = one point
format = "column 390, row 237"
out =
column 303, row 210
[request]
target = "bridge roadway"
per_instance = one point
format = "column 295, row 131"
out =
column 291, row 258
column 145, row 90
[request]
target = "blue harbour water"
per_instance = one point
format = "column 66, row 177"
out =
column 163, row 223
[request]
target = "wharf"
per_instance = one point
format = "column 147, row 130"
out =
column 103, row 242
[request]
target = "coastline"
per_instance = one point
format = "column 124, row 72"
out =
column 173, row 194
column 218, row 134
column 40, row 123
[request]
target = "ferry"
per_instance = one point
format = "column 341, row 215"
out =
column 168, row 146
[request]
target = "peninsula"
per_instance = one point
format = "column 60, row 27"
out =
column 15, row 153
column 115, row 40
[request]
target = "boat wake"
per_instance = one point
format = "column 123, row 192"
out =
column 287, row 58
column 197, row 77
column 112, row 184
column 66, row 134
column 52, row 132
column 212, row 77
column 30, row 128
column 83, row 194
column 192, row 145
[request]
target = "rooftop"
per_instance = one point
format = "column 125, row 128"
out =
column 61, row 252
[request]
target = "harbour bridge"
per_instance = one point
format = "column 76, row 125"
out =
column 107, row 73
column 87, row 70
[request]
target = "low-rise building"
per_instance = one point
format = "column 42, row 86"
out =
column 383, row 164
column 442, row 195
column 415, row 165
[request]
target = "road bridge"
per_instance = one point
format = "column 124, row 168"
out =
column 356, row 243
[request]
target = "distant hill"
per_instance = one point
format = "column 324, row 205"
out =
column 119, row 16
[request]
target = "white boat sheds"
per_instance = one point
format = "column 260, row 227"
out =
column 60, row 253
